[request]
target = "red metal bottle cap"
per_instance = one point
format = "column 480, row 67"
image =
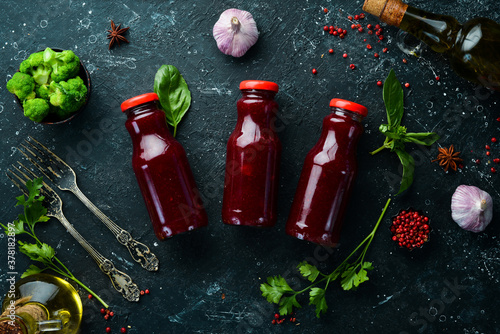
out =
column 259, row 84
column 139, row 99
column 348, row 105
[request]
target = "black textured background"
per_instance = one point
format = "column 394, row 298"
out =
column 456, row 275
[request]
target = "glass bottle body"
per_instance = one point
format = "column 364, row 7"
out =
column 252, row 162
column 43, row 296
column 163, row 173
column 325, row 183
column 472, row 47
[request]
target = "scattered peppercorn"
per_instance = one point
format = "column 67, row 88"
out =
column 90, row 296
column 356, row 17
column 276, row 316
column 410, row 229
column 106, row 317
column 274, row 321
column 488, row 153
column 123, row 330
column 384, row 50
column 349, row 18
column 111, row 314
column 487, row 147
column 493, row 140
column 325, row 28
column 376, row 55
column 369, row 47
column 478, row 161
column 498, row 119
column 314, row 71
column 330, row 51
column 325, row 10
column 405, row 61
column 370, row 32
column 379, row 83
column 407, row 85
column 369, row 26
column 353, row 26
column 142, row 291
column 103, row 311
column 360, row 29
column 496, row 160
column 377, row 26
column 493, row 170
column 381, row 37
column 437, row 78
column 352, row 66
column 108, row 330
column 362, row 15
column 146, row 291
column 344, row 55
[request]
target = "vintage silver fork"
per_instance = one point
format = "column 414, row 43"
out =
column 63, row 176
column 121, row 281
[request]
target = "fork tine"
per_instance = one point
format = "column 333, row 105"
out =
column 49, row 152
column 47, row 187
column 23, row 189
column 38, row 162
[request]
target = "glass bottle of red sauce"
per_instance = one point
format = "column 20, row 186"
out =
column 327, row 175
column 162, row 170
column 253, row 159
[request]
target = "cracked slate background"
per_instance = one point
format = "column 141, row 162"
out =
column 450, row 286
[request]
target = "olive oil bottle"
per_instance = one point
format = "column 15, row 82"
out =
column 41, row 303
column 473, row 47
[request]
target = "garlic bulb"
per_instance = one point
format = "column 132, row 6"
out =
column 471, row 208
column 235, row 32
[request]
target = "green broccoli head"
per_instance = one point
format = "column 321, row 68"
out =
column 36, row 67
column 65, row 64
column 69, row 95
column 43, row 91
column 22, row 85
column 36, row 109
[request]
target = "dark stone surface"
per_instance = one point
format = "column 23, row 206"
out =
column 457, row 273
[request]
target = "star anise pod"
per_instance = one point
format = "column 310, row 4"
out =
column 448, row 158
column 115, row 34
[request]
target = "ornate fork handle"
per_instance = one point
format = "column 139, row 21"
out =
column 121, row 281
column 139, row 251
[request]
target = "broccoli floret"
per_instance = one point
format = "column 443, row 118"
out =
column 43, row 91
column 36, row 67
column 65, row 65
column 22, row 85
column 36, row 109
column 68, row 95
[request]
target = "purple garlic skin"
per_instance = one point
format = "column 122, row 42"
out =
column 235, row 32
column 471, row 208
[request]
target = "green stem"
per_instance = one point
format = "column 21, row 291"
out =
column 378, row 150
column 175, row 129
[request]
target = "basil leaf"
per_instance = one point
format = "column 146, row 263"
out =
column 393, row 99
column 408, row 169
column 422, row 138
column 174, row 94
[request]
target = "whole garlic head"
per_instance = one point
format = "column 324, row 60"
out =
column 235, row 32
column 471, row 208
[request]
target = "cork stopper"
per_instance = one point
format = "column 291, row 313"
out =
column 389, row 11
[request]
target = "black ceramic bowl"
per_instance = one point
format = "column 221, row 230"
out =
column 413, row 222
column 52, row 119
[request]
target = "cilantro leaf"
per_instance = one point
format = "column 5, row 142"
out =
column 308, row 270
column 287, row 304
column 31, row 271
column 274, row 289
column 317, row 297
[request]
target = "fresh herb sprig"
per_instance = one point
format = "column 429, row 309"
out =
column 174, row 94
column 396, row 134
column 352, row 274
column 34, row 212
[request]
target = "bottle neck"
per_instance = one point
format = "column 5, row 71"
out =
column 437, row 31
column 346, row 114
column 258, row 106
column 146, row 119
column 141, row 109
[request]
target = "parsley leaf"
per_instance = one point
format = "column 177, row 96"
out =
column 309, row 271
column 274, row 289
column 287, row 304
column 277, row 290
column 317, row 297
column 32, row 270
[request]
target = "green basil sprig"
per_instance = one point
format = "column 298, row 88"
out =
column 174, row 94
column 395, row 134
